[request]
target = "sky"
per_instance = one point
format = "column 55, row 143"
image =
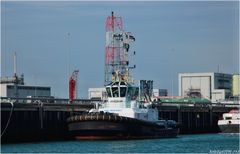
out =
column 171, row 38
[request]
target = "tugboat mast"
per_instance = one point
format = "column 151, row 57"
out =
column 116, row 51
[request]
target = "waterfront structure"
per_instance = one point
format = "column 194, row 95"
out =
column 14, row 87
column 159, row 92
column 236, row 85
column 212, row 86
column 97, row 93
column 24, row 91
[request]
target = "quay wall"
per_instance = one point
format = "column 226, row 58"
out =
column 47, row 121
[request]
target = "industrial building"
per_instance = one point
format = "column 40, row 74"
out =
column 23, row 91
column 14, row 86
column 236, row 85
column 97, row 93
column 212, row 86
column 160, row 92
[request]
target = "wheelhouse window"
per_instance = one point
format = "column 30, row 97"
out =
column 108, row 89
column 123, row 91
column 133, row 92
column 122, row 83
column 115, row 83
column 136, row 92
column 115, row 92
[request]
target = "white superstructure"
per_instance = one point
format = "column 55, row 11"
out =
column 122, row 100
column 233, row 117
column 230, row 122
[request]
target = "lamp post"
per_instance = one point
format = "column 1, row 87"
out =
column 172, row 71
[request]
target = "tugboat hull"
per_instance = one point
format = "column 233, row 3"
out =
column 115, row 127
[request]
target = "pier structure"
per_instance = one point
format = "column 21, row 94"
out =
column 44, row 120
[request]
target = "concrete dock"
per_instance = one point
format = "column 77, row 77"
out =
column 39, row 121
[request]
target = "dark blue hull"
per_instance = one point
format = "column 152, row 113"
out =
column 116, row 127
column 229, row 128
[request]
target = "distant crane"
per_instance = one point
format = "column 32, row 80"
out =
column 73, row 86
column 15, row 80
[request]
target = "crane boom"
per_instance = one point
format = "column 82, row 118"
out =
column 73, row 86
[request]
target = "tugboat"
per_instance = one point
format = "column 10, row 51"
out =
column 230, row 122
column 123, row 116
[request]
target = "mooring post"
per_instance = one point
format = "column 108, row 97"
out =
column 41, row 115
column 179, row 114
column 210, row 115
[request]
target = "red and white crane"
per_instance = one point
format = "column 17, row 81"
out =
column 73, row 86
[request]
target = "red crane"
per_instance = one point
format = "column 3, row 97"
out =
column 73, row 86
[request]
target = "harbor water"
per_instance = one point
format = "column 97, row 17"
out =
column 200, row 143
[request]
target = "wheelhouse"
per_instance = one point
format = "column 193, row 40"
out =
column 122, row 89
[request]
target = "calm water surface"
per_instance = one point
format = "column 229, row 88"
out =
column 204, row 143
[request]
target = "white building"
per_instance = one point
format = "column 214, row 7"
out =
column 97, row 93
column 236, row 85
column 160, row 92
column 23, row 91
column 213, row 86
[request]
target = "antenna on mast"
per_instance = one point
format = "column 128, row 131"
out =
column 116, row 50
column 15, row 65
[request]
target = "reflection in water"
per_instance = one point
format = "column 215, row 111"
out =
column 204, row 143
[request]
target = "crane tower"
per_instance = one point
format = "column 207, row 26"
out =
column 73, row 86
column 116, row 50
